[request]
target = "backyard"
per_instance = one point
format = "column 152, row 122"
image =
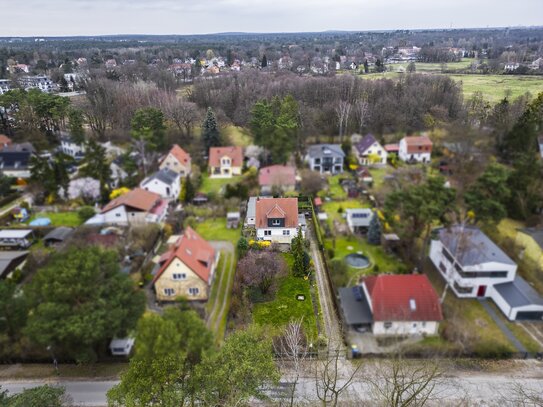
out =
column 215, row 229
column 70, row 219
column 216, row 185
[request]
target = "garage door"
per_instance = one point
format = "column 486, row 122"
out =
column 529, row 315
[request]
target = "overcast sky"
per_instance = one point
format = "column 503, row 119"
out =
column 95, row 17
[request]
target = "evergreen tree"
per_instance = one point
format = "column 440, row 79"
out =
column 75, row 125
column 264, row 61
column 210, row 131
column 97, row 167
column 300, row 265
column 187, row 191
column 374, row 230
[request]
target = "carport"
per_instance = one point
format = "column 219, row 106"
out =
column 355, row 307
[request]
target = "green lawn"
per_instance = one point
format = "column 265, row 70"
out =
column 216, row 185
column 70, row 219
column 238, row 136
column 436, row 67
column 215, row 229
column 379, row 175
column 335, row 191
column 332, row 207
column 285, row 307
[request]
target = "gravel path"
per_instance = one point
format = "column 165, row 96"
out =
column 220, row 308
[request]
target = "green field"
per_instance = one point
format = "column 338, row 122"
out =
column 215, row 229
column 70, row 219
column 216, row 185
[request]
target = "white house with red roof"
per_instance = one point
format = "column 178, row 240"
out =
column 415, row 149
column 177, row 160
column 225, row 162
column 282, row 177
column 135, row 207
column 186, row 269
column 393, row 305
column 277, row 219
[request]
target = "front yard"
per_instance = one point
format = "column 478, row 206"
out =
column 216, row 186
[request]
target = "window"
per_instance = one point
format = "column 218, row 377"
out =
column 317, row 160
column 462, row 290
column 194, row 291
column 267, row 233
column 447, row 255
column 286, row 232
column 388, row 325
column 276, row 222
column 179, row 276
column 169, row 292
column 118, row 215
column 442, row 268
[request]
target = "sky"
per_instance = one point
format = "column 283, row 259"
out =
column 102, row 17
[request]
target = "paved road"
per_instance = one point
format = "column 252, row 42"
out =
column 331, row 323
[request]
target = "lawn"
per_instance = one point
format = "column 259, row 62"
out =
column 216, row 185
column 332, row 208
column 379, row 175
column 285, row 307
column 436, row 67
column 59, row 218
column 335, row 190
column 215, row 229
column 238, row 136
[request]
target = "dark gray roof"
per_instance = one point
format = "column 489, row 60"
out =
column 470, row 246
column 59, row 234
column 319, row 150
column 534, row 233
column 359, row 216
column 365, row 143
column 355, row 312
column 8, row 257
column 519, row 293
column 166, row 176
column 16, row 156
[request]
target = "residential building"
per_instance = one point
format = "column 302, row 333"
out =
column 511, row 66
column 111, row 63
column 16, row 238
column 15, row 160
column 41, row 82
column 225, row 162
column 280, row 177
column 69, row 147
column 415, row 149
column 186, row 269
column 5, row 85
column 135, row 207
column 370, row 151
column 277, row 219
column 177, row 160
column 118, row 175
column 475, row 267
column 165, row 183
column 358, row 219
column 325, row 158
column 392, row 305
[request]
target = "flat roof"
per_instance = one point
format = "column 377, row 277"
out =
column 356, row 309
column 518, row 293
column 14, row 233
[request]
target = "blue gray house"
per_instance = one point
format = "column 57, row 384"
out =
column 325, row 158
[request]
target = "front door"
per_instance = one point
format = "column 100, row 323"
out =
column 481, row 291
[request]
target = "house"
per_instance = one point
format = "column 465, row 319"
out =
column 277, row 219
column 5, row 86
column 41, row 82
column 4, row 141
column 358, row 220
column 415, row 149
column 165, row 183
column 370, row 151
column 537, row 64
column 186, row 269
column 118, row 175
column 392, row 305
column 16, row 238
column 511, row 66
column 475, row 267
column 15, row 160
column 57, row 236
column 10, row 261
column 111, row 63
column 135, row 207
column 325, row 158
column 280, row 177
column 225, row 162
column 69, row 147
column 177, row 160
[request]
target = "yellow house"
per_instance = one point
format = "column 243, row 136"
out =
column 177, row 160
column 186, row 269
column 530, row 241
column 225, row 162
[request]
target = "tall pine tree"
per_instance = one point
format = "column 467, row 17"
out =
column 210, row 131
column 374, row 231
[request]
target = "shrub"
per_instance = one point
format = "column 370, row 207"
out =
column 85, row 213
column 243, row 246
column 331, row 253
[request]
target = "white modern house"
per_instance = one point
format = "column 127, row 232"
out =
column 69, row 147
column 369, row 151
column 277, row 219
column 165, row 183
column 358, row 219
column 325, row 158
column 415, row 149
column 475, row 267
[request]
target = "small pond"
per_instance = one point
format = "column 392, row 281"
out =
column 357, row 260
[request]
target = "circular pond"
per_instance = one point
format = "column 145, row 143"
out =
column 357, row 260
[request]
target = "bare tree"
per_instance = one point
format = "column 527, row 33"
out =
column 292, row 349
column 519, row 395
column 401, row 383
column 183, row 114
column 362, row 112
column 343, row 112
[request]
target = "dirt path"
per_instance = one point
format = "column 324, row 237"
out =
column 331, row 322
column 226, row 280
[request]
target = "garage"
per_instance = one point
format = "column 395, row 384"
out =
column 529, row 316
column 518, row 300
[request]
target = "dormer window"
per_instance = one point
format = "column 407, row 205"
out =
column 276, row 222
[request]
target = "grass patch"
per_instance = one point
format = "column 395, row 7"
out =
column 238, row 136
column 70, row 219
column 215, row 229
column 332, row 208
column 40, row 371
column 216, row 185
column 379, row 174
column 335, row 190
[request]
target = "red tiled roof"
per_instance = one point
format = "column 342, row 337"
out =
column 234, row 153
column 317, row 201
column 138, row 198
column 277, row 208
column 417, row 144
column 180, row 155
column 193, row 251
column 392, row 148
column 4, row 140
column 408, row 297
column 277, row 175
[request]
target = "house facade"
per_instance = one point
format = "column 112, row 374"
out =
column 280, row 177
column 415, row 149
column 392, row 305
column 187, row 269
column 165, row 183
column 71, row 148
column 225, row 162
column 358, row 219
column 277, row 219
column 15, row 160
column 325, row 158
column 369, row 151
column 177, row 160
